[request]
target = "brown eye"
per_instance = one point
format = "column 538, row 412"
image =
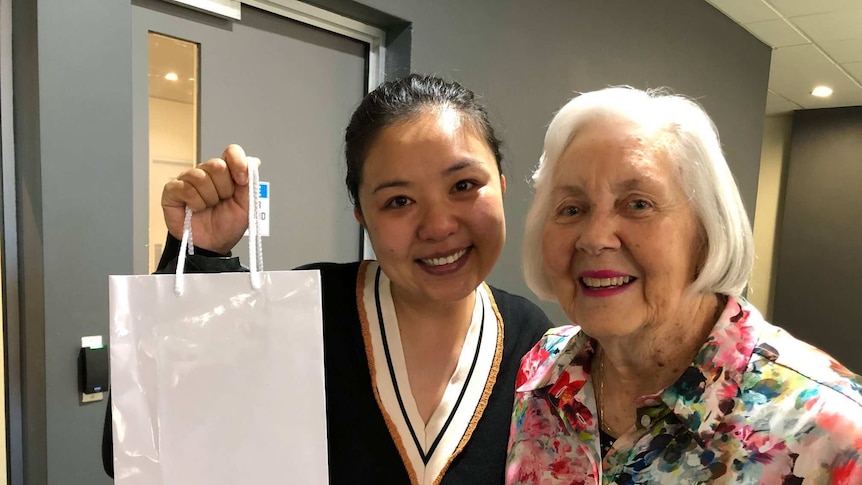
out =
column 463, row 185
column 398, row 201
column 639, row 205
column 570, row 210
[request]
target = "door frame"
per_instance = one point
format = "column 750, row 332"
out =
column 10, row 338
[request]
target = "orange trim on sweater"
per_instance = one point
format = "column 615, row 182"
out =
column 369, row 354
column 486, row 394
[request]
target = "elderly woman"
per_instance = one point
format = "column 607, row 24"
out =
column 639, row 232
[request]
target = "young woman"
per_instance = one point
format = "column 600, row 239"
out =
column 420, row 353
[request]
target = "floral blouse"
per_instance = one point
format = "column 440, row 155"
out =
column 755, row 406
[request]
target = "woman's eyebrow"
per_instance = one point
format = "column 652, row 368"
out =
column 636, row 183
column 567, row 190
column 629, row 184
column 456, row 167
column 461, row 165
column 623, row 186
column 389, row 184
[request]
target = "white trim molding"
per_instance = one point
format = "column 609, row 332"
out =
column 229, row 9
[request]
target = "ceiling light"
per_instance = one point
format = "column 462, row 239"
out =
column 822, row 91
column 171, row 76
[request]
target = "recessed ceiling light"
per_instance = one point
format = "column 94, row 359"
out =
column 822, row 91
column 171, row 76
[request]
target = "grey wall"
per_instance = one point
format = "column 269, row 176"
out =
column 73, row 79
column 528, row 58
column 819, row 263
column 73, row 130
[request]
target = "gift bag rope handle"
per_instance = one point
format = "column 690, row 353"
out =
column 255, row 246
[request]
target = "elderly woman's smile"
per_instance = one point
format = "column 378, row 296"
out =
column 604, row 282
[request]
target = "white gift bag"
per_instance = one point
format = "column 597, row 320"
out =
column 218, row 378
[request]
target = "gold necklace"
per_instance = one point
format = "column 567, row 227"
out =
column 604, row 426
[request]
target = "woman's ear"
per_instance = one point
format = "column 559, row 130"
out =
column 502, row 184
column 701, row 251
column 357, row 214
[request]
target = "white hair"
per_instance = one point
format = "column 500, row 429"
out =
column 691, row 142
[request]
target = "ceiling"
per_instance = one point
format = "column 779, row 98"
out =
column 814, row 42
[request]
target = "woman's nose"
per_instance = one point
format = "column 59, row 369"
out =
column 598, row 233
column 438, row 222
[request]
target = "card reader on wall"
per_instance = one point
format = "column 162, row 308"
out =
column 93, row 372
column 94, row 369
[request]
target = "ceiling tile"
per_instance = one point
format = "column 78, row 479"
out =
column 776, row 33
column 842, row 51
column 795, row 8
column 776, row 103
column 831, row 26
column 855, row 70
column 796, row 70
column 744, row 11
